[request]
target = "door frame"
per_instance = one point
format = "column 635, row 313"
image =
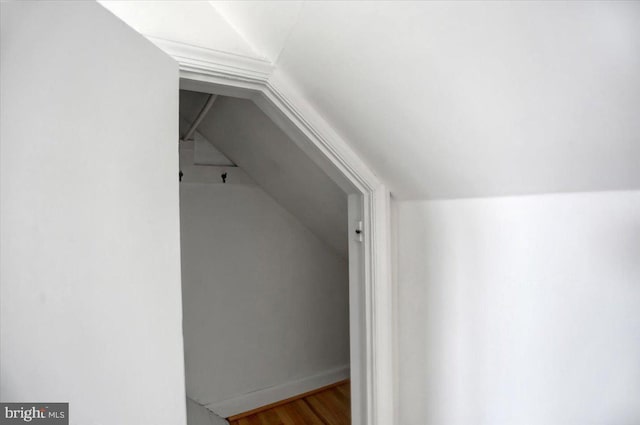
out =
column 211, row 71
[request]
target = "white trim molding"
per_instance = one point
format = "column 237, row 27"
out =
column 220, row 73
column 266, row 396
column 215, row 62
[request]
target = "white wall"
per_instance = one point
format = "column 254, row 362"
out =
column 265, row 301
column 90, row 306
column 240, row 130
column 518, row 311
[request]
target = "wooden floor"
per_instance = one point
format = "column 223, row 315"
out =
column 331, row 406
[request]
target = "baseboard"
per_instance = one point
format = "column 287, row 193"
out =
column 265, row 396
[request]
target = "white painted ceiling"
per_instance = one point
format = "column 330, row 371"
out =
column 192, row 22
column 457, row 99
column 465, row 99
column 246, row 136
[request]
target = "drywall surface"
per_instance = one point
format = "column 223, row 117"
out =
column 445, row 99
column 467, row 99
column 265, row 301
column 243, row 133
column 268, row 36
column 90, row 302
column 520, row 310
column 195, row 23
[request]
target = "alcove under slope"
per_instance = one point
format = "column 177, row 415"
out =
column 265, row 273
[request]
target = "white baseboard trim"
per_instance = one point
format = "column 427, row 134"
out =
column 262, row 397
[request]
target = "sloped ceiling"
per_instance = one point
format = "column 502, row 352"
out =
column 192, row 22
column 466, row 99
column 462, row 99
column 245, row 135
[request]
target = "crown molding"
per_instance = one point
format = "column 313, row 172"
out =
column 215, row 62
column 282, row 93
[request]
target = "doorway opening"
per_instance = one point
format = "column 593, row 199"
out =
column 272, row 271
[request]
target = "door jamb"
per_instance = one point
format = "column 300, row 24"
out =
column 211, row 71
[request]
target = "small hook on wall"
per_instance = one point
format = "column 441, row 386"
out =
column 224, row 177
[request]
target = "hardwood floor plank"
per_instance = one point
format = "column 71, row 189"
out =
column 341, row 399
column 328, row 408
column 254, row 420
column 307, row 413
column 302, row 411
column 345, row 389
column 270, row 417
column 288, row 415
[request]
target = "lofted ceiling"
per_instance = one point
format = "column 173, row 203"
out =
column 193, row 22
column 239, row 130
column 459, row 99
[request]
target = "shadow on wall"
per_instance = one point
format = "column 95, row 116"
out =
column 199, row 415
column 265, row 302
